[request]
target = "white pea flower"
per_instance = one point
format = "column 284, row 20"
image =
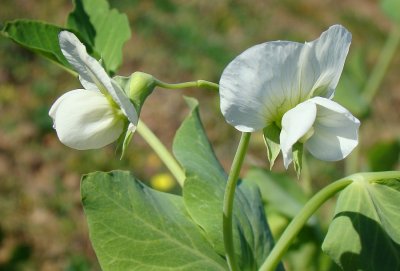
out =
column 97, row 115
column 290, row 85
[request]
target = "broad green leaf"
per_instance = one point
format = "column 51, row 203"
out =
column 39, row 37
column 364, row 234
column 281, row 193
column 133, row 227
column 105, row 29
column 391, row 8
column 271, row 139
column 203, row 194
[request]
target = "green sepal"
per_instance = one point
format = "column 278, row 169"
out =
column 124, row 140
column 137, row 87
column 298, row 157
column 271, row 139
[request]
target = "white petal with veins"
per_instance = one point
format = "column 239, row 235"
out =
column 335, row 131
column 85, row 120
column 260, row 85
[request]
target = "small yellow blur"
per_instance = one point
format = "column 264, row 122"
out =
column 162, row 182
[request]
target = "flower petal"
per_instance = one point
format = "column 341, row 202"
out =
column 75, row 53
column 268, row 79
column 85, row 120
column 335, row 131
column 92, row 74
column 295, row 124
column 321, row 62
column 256, row 87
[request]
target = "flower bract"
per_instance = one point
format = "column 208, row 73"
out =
column 291, row 85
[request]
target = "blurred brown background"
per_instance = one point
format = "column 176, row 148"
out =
column 42, row 226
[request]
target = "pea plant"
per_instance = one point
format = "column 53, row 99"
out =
column 282, row 89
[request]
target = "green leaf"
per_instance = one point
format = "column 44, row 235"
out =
column 364, row 234
column 40, row 37
column 203, row 194
column 133, row 227
column 391, row 9
column 271, row 138
column 105, row 29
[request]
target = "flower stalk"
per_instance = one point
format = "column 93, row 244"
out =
column 197, row 83
column 162, row 152
column 229, row 199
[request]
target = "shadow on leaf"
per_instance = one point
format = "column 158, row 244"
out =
column 378, row 250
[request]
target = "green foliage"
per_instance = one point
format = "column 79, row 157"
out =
column 384, row 155
column 349, row 91
column 391, row 9
column 104, row 29
column 364, row 234
column 39, row 37
column 284, row 199
column 203, row 194
column 281, row 193
column 133, row 227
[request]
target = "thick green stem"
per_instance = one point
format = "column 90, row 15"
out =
column 312, row 206
column 380, row 68
column 162, row 152
column 228, row 201
column 198, row 83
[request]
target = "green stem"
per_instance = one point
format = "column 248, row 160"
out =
column 161, row 151
column 380, row 68
column 228, row 201
column 312, row 206
column 299, row 221
column 198, row 83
